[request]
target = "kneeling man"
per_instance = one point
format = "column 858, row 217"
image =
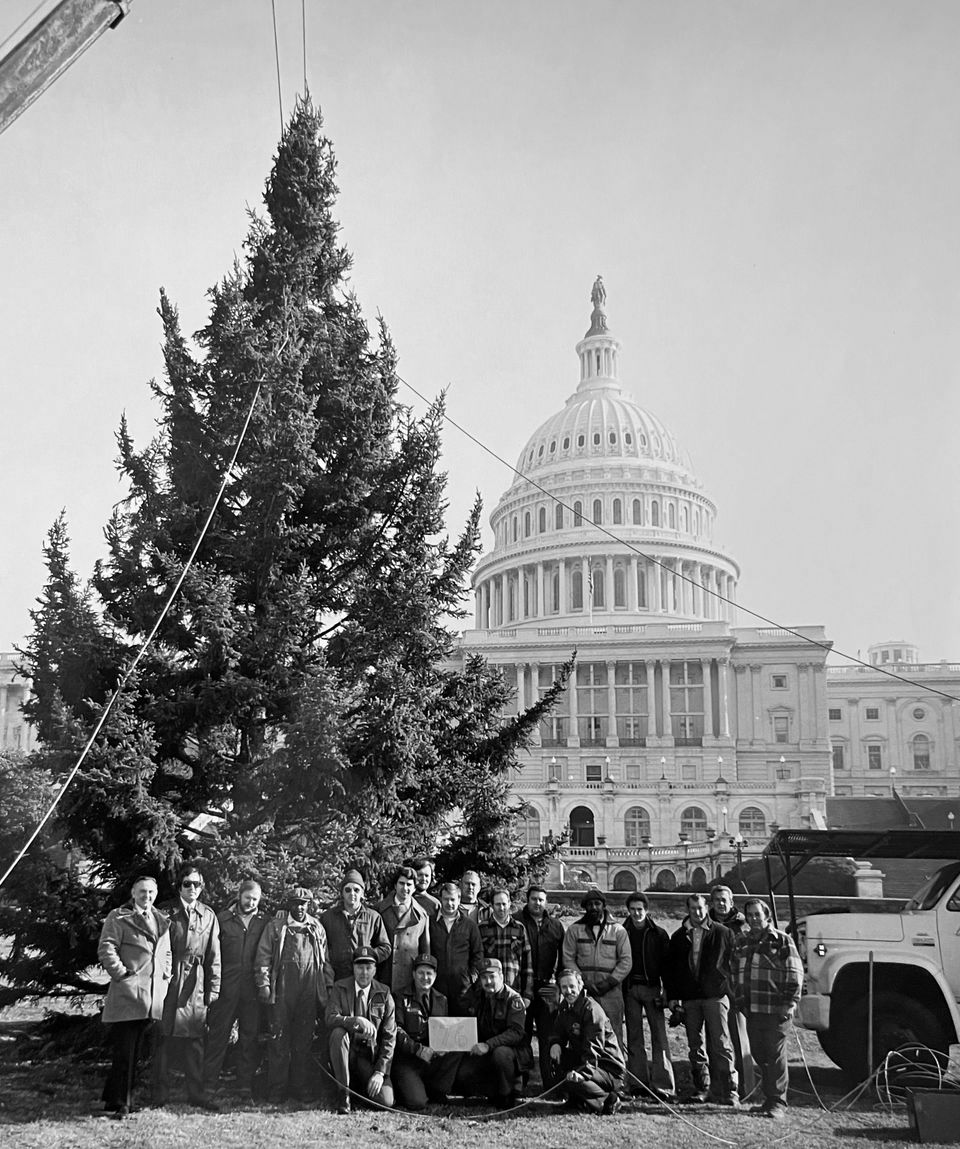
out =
column 419, row 1072
column 584, row 1049
column 363, row 1032
column 496, row 1065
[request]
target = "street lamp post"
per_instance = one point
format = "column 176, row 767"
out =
column 738, row 842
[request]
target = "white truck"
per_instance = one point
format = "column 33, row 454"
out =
column 904, row 964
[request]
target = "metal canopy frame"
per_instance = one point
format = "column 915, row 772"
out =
column 795, row 848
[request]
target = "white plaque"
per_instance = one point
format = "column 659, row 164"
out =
column 453, row 1034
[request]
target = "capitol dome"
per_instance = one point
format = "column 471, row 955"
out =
column 605, row 514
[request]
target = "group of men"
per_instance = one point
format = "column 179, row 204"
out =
column 373, row 977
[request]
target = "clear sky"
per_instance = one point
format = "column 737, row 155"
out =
column 769, row 188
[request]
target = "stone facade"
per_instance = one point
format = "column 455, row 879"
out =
column 15, row 732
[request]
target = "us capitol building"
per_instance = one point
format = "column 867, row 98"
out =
column 683, row 739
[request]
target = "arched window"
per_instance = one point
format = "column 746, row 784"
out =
column 698, row 879
column 654, row 514
column 526, row 524
column 617, row 510
column 512, row 600
column 625, row 881
column 696, row 522
column 597, row 511
column 578, row 514
column 576, row 590
column 582, row 827
column 637, row 513
column 558, row 516
column 693, row 822
column 685, row 519
column 636, row 826
column 542, row 520
column 672, row 517
column 641, row 585
column 752, row 823
column 921, row 752
column 596, row 577
column 526, row 596
column 555, row 589
column 666, row 880
column 515, row 528
column 619, row 587
column 528, row 828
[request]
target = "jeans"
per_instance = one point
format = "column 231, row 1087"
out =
column 639, row 1001
column 768, row 1043
column 714, row 1070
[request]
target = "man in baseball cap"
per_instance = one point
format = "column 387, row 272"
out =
column 419, row 1073
column 363, row 1032
column 496, row 1064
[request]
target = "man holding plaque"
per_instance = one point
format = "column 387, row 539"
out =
column 496, row 1064
column 419, row 1072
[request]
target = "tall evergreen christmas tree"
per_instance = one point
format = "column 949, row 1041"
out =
column 301, row 690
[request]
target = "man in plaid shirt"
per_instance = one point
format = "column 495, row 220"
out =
column 505, row 939
column 767, row 980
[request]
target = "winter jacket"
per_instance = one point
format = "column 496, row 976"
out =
column 344, row 935
column 546, row 946
column 501, row 1020
column 601, row 953
column 195, row 980
column 138, row 961
column 407, row 941
column 647, row 969
column 238, row 950
column 510, row 945
column 711, row 977
column 584, row 1029
column 459, row 954
column 767, row 973
column 270, row 950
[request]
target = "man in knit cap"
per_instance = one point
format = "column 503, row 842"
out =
column 350, row 924
column 293, row 977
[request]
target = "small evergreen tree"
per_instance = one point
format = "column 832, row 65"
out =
column 302, row 691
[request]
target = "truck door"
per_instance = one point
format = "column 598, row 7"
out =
column 948, row 925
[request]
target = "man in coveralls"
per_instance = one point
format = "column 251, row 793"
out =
column 294, row 977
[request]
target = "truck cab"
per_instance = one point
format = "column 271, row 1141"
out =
column 898, row 970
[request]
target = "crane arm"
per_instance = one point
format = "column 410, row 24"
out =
column 45, row 52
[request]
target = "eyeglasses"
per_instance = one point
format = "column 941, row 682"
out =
column 190, row 882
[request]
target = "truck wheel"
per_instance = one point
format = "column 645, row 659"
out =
column 897, row 1020
column 831, row 1044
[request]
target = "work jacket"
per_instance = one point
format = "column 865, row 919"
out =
column 238, row 951
column 584, row 1030
column 501, row 1020
column 195, row 980
column 138, row 961
column 270, row 951
column 345, row 935
column 380, row 1010
column 601, row 953
column 413, row 1019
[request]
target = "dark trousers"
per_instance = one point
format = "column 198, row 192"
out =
column 239, row 1003
column 493, row 1074
column 540, row 1015
column 768, row 1044
column 352, row 1065
column 293, row 1020
column 128, row 1041
column 188, row 1051
column 640, row 1001
column 589, row 1094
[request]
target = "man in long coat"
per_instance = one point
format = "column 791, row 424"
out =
column 134, row 949
column 194, row 987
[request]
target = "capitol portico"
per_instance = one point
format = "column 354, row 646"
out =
column 679, row 730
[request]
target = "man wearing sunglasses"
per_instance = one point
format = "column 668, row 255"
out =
column 194, row 986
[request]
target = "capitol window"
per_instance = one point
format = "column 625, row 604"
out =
column 617, row 511
column 921, row 752
column 526, row 524
column 612, row 437
column 581, row 439
column 576, row 590
column 693, row 823
column 628, row 438
column 566, row 442
column 834, row 714
column 874, row 757
column 558, row 516
column 636, row 826
column 637, row 513
column 578, row 514
column 542, row 520
column 672, row 516
column 553, row 445
column 837, row 753
column 619, row 587
column 596, row 438
column 873, row 713
column 597, row 512
column 779, row 682
column 654, row 514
